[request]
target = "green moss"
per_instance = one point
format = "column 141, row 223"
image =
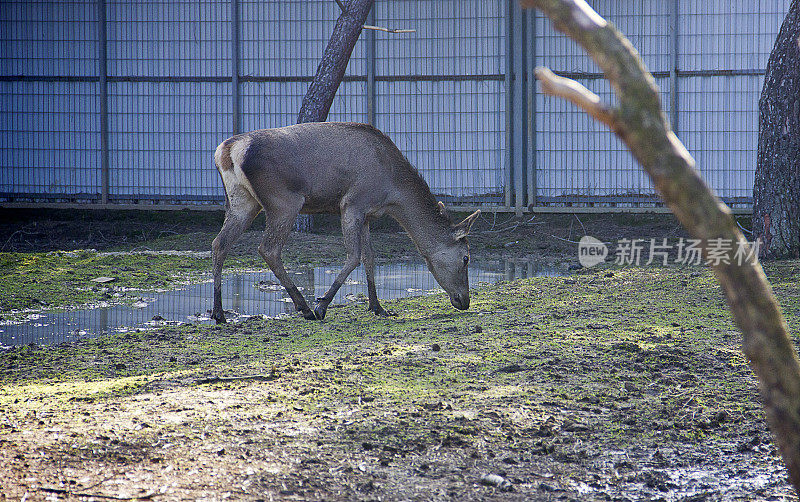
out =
column 53, row 280
column 636, row 356
column 57, row 279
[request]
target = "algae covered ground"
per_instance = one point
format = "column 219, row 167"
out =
column 612, row 383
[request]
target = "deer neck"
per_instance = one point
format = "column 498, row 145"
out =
column 418, row 213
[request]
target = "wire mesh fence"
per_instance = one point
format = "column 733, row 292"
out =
column 124, row 101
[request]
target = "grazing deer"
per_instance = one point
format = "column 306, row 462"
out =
column 325, row 167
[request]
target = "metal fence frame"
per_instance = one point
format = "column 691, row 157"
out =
column 521, row 119
column 520, row 184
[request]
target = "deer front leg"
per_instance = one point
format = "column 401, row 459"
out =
column 368, row 259
column 352, row 227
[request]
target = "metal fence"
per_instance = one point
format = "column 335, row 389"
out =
column 124, row 101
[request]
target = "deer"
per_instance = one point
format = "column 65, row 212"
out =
column 334, row 167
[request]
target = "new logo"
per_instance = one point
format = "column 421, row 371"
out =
column 591, row 251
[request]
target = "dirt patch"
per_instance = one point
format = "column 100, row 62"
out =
column 612, row 384
column 67, row 230
column 552, row 236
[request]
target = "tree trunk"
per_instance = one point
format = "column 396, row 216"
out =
column 317, row 101
column 641, row 123
column 319, row 97
column 776, row 193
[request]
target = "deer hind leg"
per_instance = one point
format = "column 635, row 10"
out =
column 279, row 225
column 368, row 260
column 242, row 209
column 352, row 230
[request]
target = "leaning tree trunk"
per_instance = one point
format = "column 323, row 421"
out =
column 317, row 101
column 319, row 97
column 641, row 123
column 776, row 193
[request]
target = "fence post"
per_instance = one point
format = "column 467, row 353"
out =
column 519, row 109
column 370, row 63
column 235, row 66
column 103, row 78
column 531, row 108
column 509, row 165
column 673, row 67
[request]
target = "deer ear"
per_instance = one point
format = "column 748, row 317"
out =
column 442, row 209
column 462, row 229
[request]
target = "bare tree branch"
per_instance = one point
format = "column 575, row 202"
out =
column 641, row 123
column 388, row 30
column 576, row 93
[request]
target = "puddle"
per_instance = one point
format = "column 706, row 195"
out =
column 738, row 477
column 247, row 294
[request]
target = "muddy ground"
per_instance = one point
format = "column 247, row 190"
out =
column 612, row 383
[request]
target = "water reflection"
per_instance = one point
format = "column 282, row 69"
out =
column 246, row 294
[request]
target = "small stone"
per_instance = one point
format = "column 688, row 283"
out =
column 630, row 387
column 497, row 481
column 721, row 417
column 570, row 426
column 545, row 487
column 512, row 368
column 435, row 347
